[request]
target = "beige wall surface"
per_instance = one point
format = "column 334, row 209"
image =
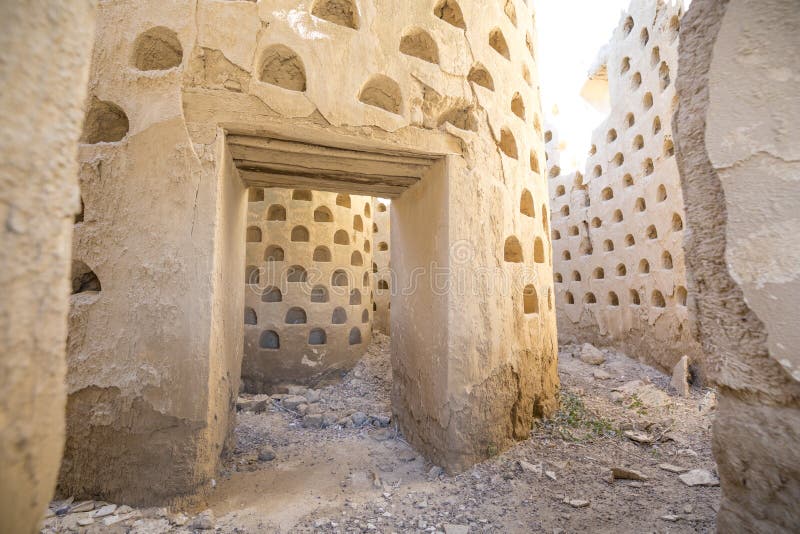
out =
column 737, row 151
column 43, row 90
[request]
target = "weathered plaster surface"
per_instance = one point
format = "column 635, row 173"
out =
column 737, row 154
column 157, row 351
column 618, row 226
column 44, row 87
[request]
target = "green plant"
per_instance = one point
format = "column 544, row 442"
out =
column 573, row 418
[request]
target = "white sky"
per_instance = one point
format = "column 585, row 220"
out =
column 571, row 33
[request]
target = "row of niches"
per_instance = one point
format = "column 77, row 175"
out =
column 296, row 314
column 321, row 253
column 271, row 339
column 315, row 291
column 513, row 253
column 297, row 274
column 638, row 208
column 277, row 212
column 621, row 271
column 321, row 215
column 671, row 29
column 637, row 143
column 607, row 193
column 633, row 297
column 586, row 246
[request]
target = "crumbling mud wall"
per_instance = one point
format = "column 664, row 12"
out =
column 736, row 130
column 156, row 327
column 44, row 87
column 155, row 332
column 382, row 280
column 618, row 227
column 308, row 296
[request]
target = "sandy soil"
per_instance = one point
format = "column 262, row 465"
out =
column 348, row 477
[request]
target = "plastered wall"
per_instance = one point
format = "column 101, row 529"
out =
column 618, row 225
column 308, row 298
column 737, row 132
column 44, row 87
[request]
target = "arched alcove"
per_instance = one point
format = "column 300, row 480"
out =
column 282, row 66
column 157, row 49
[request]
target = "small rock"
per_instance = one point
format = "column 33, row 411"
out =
column 85, row 521
column 530, row 468
column 312, row 395
column 578, row 503
column 312, row 420
column 435, row 472
column 329, row 419
column 85, row 506
column 124, row 509
column 592, row 355
column 616, row 396
column 621, row 473
column 550, row 474
column 302, row 409
column 680, row 377
column 359, row 418
column 687, row 452
column 293, row 401
column 672, row 468
column 651, row 396
column 111, row 520
column 204, row 521
column 599, row 374
column 62, row 510
column 179, row 519
column 266, row 454
column 638, row 437
column 450, row 528
column 381, row 420
column 688, row 509
column 670, row 517
column 699, row 477
column 105, row 511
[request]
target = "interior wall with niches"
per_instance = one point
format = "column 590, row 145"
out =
column 381, row 265
column 308, row 286
column 618, row 226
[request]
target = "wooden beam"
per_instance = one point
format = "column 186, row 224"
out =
column 264, row 179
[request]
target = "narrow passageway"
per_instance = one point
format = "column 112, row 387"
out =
column 332, row 460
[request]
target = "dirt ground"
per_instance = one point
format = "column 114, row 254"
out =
column 330, row 460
